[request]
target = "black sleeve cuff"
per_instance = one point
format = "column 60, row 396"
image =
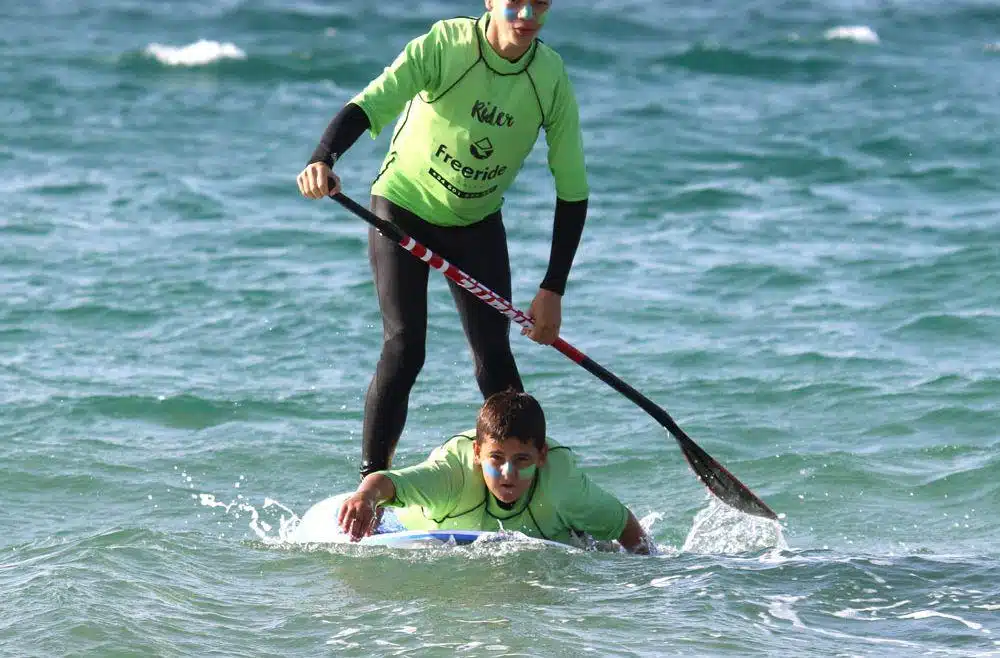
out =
column 344, row 129
column 567, row 228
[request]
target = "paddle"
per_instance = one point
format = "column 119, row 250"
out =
column 713, row 475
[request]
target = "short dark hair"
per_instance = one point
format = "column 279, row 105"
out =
column 512, row 414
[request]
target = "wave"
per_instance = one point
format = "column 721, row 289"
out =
column 722, row 60
column 199, row 53
column 697, row 198
column 217, row 61
column 855, row 33
column 970, row 268
column 951, row 325
column 193, row 412
column 744, row 277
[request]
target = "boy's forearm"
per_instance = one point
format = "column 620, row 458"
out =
column 345, row 128
column 633, row 538
column 378, row 487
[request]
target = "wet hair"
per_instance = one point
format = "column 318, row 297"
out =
column 511, row 414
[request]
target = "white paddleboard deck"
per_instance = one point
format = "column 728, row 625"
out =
column 319, row 526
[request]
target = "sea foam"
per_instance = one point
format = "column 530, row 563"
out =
column 856, row 33
column 199, row 53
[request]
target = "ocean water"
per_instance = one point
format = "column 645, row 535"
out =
column 793, row 247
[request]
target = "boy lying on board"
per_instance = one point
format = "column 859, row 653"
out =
column 504, row 475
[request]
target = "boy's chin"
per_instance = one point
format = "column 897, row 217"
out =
column 506, row 495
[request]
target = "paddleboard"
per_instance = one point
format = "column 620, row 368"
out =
column 319, row 526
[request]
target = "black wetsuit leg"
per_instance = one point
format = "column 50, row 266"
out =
column 486, row 259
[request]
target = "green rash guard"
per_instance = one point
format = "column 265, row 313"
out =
column 447, row 492
column 468, row 118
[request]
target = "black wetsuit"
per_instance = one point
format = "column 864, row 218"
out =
column 480, row 250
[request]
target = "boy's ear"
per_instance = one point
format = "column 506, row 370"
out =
column 542, row 454
column 475, row 452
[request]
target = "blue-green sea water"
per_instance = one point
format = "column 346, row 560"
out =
column 793, row 247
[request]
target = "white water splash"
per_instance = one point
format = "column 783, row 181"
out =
column 720, row 529
column 261, row 528
column 318, row 525
column 924, row 614
column 869, row 613
column 783, row 607
column 855, row 33
column 199, row 53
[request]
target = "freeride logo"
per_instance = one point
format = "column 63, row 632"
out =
column 491, row 115
column 470, row 173
column 483, row 175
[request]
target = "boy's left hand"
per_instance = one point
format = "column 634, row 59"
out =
column 546, row 312
column 357, row 515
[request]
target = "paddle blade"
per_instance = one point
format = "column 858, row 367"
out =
column 722, row 483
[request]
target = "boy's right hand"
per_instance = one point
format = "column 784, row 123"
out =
column 315, row 181
column 358, row 514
